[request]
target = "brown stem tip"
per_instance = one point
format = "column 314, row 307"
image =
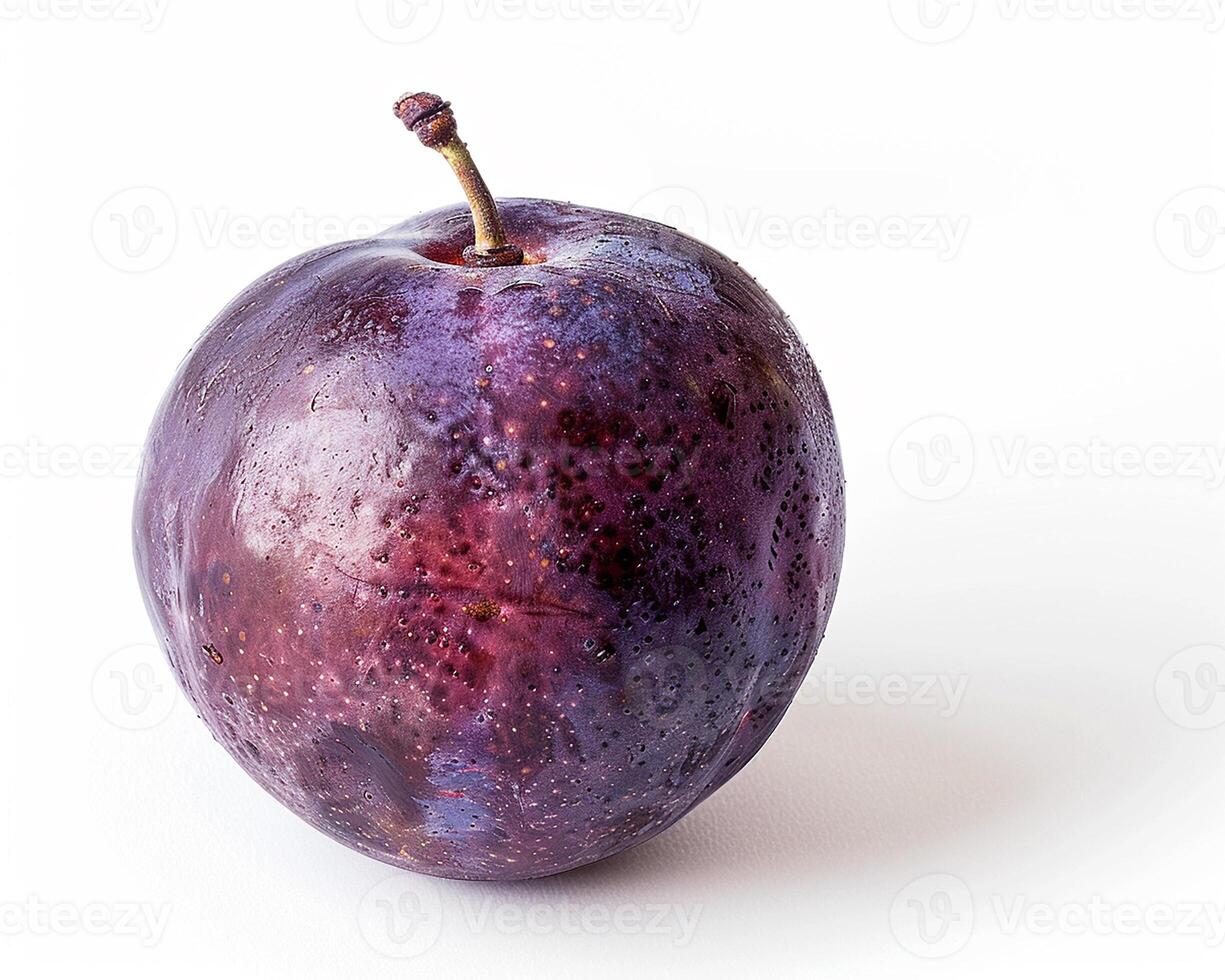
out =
column 431, row 119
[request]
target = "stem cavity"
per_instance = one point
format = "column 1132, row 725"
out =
column 431, row 119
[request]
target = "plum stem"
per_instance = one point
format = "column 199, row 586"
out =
column 431, row 119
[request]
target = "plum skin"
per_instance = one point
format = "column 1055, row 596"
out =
column 493, row 573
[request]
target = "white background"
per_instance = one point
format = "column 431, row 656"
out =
column 1004, row 251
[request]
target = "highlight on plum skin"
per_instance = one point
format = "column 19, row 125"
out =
column 493, row 569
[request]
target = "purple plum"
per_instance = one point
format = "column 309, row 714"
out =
column 493, row 544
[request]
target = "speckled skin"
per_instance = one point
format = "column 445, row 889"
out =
column 493, row 573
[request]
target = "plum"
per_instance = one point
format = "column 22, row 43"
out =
column 493, row 544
